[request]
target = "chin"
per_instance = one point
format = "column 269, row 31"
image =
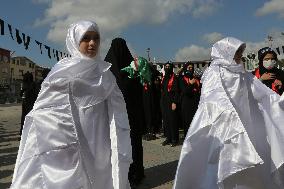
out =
column 91, row 55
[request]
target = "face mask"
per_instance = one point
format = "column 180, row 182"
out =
column 269, row 64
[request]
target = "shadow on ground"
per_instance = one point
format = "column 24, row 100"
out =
column 4, row 174
column 5, row 185
column 8, row 159
column 159, row 175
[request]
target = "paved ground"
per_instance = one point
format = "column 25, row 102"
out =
column 160, row 161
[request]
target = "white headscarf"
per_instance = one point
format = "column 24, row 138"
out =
column 75, row 34
column 231, row 73
column 81, row 66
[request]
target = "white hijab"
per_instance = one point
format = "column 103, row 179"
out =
column 74, row 37
column 79, row 62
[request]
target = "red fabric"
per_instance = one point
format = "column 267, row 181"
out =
column 145, row 87
column 257, row 74
column 273, row 86
column 170, row 84
column 196, row 84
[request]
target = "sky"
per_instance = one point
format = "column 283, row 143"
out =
column 174, row 30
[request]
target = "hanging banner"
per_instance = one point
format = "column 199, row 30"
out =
column 23, row 39
column 1, row 27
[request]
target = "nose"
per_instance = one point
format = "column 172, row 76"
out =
column 92, row 42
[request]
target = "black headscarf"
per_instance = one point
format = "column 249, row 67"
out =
column 168, row 73
column 186, row 72
column 119, row 56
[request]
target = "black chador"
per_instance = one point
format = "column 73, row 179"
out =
column 29, row 95
column 190, row 94
column 148, row 109
column 151, row 101
column 156, row 92
column 119, row 56
column 169, row 100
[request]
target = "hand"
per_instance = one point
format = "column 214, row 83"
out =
column 174, row 106
column 267, row 76
column 192, row 81
column 278, row 83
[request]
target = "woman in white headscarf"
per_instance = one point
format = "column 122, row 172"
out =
column 77, row 135
column 236, row 138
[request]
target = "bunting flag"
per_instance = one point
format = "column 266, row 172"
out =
column 19, row 40
column 25, row 40
column 61, row 55
column 10, row 30
column 48, row 51
column 2, row 27
column 40, row 45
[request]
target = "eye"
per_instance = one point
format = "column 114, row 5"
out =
column 87, row 38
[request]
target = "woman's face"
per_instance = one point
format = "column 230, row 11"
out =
column 238, row 55
column 190, row 68
column 89, row 44
column 269, row 56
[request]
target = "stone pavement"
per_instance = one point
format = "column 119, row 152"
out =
column 159, row 161
column 10, row 121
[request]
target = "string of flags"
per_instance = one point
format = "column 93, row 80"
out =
column 25, row 40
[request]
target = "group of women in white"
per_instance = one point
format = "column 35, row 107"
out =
column 77, row 134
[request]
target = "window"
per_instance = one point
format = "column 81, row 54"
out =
column 4, row 70
column 23, row 63
column 18, row 62
column 5, row 59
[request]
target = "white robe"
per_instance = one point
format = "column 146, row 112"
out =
column 77, row 135
column 236, row 139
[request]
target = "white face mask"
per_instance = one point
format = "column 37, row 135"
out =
column 269, row 64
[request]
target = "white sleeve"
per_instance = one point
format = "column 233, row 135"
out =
column 120, row 139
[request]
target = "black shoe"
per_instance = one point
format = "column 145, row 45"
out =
column 166, row 142
column 174, row 144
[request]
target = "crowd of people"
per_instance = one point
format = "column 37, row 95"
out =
column 84, row 129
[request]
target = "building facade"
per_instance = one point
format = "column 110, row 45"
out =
column 4, row 69
column 21, row 65
column 12, row 70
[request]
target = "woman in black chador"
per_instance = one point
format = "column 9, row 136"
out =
column 29, row 95
column 120, row 57
column 156, row 88
column 151, row 100
column 190, row 94
column 169, row 100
